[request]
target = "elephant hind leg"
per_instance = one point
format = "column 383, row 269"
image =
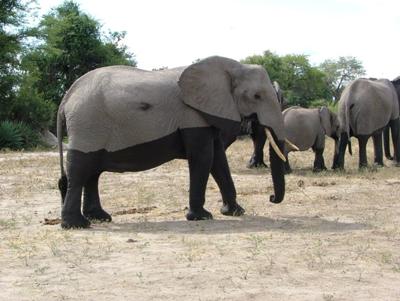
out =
column 378, row 154
column 362, row 142
column 92, row 209
column 80, row 168
column 319, row 162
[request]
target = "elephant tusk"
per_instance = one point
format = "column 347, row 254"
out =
column 274, row 146
column 293, row 146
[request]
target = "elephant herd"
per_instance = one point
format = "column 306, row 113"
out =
column 123, row 118
column 367, row 107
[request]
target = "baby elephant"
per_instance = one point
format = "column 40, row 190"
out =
column 307, row 128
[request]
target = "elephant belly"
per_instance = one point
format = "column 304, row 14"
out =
column 145, row 156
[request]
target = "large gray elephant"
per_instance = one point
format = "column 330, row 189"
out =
column 125, row 119
column 307, row 128
column 366, row 106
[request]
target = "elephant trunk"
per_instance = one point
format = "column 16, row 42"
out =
column 277, row 172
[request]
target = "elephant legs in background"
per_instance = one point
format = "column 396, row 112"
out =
column 259, row 138
column 288, row 169
column 387, row 143
column 319, row 163
column 222, row 176
column 362, row 143
column 92, row 209
column 378, row 159
column 394, row 126
column 338, row 161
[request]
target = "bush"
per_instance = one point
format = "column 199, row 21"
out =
column 17, row 135
column 332, row 105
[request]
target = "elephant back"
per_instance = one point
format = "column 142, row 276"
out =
column 117, row 107
column 302, row 126
column 367, row 105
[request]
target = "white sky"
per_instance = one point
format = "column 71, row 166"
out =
column 177, row 32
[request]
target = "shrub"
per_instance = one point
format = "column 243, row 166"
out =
column 17, row 135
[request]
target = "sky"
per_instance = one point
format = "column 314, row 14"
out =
column 171, row 33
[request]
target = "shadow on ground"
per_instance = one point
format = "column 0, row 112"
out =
column 245, row 224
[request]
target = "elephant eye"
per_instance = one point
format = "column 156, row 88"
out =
column 257, row 96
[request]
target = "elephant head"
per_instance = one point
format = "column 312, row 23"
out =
column 282, row 100
column 396, row 84
column 225, row 91
column 330, row 124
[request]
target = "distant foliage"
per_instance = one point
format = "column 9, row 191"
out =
column 72, row 44
column 340, row 72
column 17, row 135
column 300, row 81
column 38, row 65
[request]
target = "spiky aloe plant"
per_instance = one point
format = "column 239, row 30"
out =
column 17, row 135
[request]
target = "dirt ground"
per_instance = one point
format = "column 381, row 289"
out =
column 336, row 236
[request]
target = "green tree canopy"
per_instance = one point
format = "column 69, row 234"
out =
column 340, row 72
column 73, row 44
column 300, row 81
column 12, row 31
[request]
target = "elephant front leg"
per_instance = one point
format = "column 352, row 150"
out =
column 222, row 176
column 378, row 154
column 259, row 138
column 92, row 209
column 199, row 152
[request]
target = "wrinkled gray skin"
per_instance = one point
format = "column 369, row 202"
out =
column 307, row 128
column 366, row 107
column 122, row 118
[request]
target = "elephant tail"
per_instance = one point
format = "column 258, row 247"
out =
column 63, row 181
column 350, row 149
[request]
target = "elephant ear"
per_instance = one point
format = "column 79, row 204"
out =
column 207, row 87
column 325, row 117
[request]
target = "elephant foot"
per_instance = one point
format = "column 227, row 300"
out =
column 379, row 164
column 389, row 158
column 232, row 210
column 254, row 164
column 319, row 169
column 288, row 171
column 198, row 215
column 98, row 215
column 74, row 221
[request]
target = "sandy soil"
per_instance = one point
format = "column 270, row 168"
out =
column 336, row 236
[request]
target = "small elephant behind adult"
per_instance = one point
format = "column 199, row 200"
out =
column 307, row 128
column 392, row 126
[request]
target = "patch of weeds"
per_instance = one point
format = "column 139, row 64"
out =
column 8, row 224
column 257, row 244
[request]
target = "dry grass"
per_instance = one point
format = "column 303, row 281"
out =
column 336, row 236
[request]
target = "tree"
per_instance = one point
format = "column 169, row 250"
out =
column 340, row 72
column 12, row 31
column 300, row 81
column 73, row 44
